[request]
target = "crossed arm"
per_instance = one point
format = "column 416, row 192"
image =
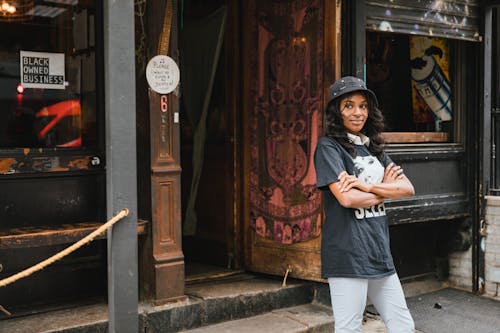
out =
column 352, row 193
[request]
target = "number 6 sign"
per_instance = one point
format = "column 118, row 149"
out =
column 164, row 103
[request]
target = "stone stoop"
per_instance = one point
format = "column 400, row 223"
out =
column 206, row 304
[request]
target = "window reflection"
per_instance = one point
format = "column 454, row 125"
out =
column 54, row 105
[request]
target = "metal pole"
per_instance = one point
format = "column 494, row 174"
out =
column 360, row 39
column 478, row 277
column 121, row 173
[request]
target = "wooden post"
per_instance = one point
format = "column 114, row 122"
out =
column 168, row 259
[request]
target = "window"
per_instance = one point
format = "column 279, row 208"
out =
column 48, row 74
column 412, row 78
column 412, row 54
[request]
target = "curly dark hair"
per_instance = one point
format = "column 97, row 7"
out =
column 373, row 128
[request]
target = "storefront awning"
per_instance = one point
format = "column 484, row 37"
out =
column 436, row 18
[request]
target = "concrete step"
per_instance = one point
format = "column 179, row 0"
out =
column 206, row 304
column 220, row 301
column 298, row 319
column 307, row 318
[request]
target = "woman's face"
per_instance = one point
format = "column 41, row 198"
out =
column 354, row 111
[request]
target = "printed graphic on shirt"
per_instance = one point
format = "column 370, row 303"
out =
column 373, row 211
column 369, row 170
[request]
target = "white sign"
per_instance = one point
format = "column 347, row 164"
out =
column 162, row 74
column 42, row 70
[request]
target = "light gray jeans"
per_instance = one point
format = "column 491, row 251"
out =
column 349, row 297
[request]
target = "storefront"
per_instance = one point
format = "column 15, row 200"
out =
column 267, row 110
column 52, row 148
column 225, row 179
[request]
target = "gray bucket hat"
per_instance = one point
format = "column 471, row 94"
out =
column 348, row 84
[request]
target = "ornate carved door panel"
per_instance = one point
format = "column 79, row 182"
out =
column 284, row 89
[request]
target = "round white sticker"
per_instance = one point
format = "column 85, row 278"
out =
column 162, row 74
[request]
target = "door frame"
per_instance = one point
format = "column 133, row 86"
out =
column 234, row 94
column 486, row 175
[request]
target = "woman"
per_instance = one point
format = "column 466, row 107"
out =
column 357, row 176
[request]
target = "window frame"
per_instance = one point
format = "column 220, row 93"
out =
column 354, row 61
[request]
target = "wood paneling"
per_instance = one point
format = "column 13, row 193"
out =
column 413, row 137
column 301, row 259
column 168, row 260
column 52, row 235
column 163, row 260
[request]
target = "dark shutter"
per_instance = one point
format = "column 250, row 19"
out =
column 444, row 18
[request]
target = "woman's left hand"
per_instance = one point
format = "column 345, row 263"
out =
column 392, row 173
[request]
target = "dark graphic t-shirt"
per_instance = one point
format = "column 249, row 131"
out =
column 355, row 241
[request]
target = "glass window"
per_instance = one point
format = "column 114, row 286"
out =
column 48, row 74
column 412, row 77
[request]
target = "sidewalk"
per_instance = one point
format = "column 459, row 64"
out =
column 455, row 311
column 446, row 311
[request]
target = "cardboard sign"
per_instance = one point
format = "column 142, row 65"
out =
column 42, row 70
column 162, row 74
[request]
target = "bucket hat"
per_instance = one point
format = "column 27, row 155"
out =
column 348, row 84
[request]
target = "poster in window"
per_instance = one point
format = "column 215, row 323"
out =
column 431, row 91
column 42, row 70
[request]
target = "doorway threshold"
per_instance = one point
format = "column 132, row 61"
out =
column 199, row 273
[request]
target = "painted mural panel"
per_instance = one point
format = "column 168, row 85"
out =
column 285, row 120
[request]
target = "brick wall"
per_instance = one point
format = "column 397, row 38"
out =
column 492, row 246
column 461, row 262
column 461, row 269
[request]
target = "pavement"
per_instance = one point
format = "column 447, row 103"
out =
column 446, row 310
column 455, row 311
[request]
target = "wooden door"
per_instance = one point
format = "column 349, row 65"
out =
column 291, row 53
